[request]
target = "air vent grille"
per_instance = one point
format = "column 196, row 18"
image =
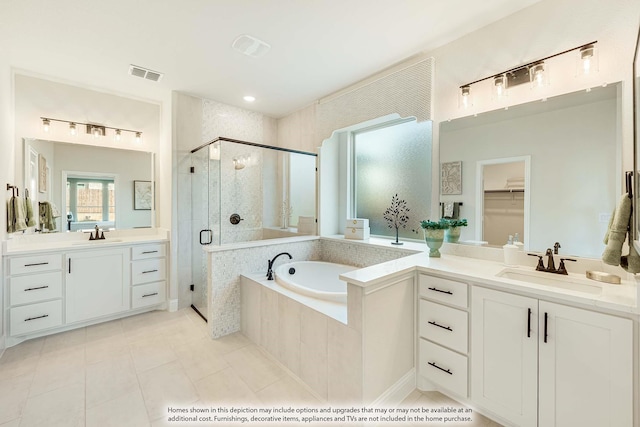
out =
column 250, row 46
column 145, row 73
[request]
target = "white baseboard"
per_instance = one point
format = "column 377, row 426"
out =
column 395, row 394
column 173, row 305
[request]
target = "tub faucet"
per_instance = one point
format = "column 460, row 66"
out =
column 270, row 264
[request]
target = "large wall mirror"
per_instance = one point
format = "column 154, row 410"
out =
column 571, row 147
column 75, row 187
column 636, row 127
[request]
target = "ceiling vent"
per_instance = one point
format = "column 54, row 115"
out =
column 250, row 46
column 145, row 73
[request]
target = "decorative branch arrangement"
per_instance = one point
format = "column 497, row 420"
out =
column 396, row 215
column 285, row 213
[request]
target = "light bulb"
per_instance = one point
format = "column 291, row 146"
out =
column 118, row 135
column 499, row 87
column 96, row 132
column 138, row 137
column 465, row 97
column 72, row 129
column 46, row 124
column 538, row 75
column 249, row 98
column 587, row 60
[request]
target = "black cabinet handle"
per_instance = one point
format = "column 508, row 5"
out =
column 440, row 326
column 37, row 263
column 149, row 295
column 149, row 252
column 440, row 290
column 546, row 321
column 529, row 324
column 208, row 242
column 69, row 265
column 39, row 287
column 442, row 369
column 149, row 271
column 34, row 318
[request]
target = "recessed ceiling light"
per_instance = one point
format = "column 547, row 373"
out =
column 249, row 98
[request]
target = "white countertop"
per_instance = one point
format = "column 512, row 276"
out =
column 30, row 243
column 621, row 298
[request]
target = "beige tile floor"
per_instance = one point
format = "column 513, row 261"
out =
column 125, row 373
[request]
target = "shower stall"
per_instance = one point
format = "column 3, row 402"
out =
column 243, row 191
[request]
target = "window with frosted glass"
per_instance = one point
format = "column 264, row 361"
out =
column 391, row 160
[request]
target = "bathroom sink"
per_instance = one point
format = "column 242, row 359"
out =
column 569, row 282
column 96, row 242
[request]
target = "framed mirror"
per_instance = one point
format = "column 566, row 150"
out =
column 574, row 144
column 636, row 137
column 74, row 187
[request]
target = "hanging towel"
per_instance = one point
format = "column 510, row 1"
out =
column 15, row 215
column 46, row 216
column 616, row 236
column 30, row 218
column 631, row 262
column 10, row 216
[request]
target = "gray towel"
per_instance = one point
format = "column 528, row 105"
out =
column 46, row 216
column 619, row 225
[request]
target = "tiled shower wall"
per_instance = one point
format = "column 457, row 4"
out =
column 225, row 268
column 198, row 121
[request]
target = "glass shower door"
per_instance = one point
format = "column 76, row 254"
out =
column 201, row 233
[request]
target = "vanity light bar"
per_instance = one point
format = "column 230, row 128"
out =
column 91, row 128
column 523, row 73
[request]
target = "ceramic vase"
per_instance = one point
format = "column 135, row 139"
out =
column 452, row 235
column 434, row 239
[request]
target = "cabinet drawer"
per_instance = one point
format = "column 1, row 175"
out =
column 148, row 270
column 35, row 317
column 35, row 287
column 444, row 325
column 444, row 367
column 444, row 290
column 154, row 250
column 148, row 294
column 35, row 263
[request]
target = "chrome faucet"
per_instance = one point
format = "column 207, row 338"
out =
column 270, row 264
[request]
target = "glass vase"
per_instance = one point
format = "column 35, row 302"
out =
column 434, row 239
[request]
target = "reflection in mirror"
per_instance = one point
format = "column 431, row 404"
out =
column 636, row 127
column 86, row 185
column 502, row 199
column 573, row 140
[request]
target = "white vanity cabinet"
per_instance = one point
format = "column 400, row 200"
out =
column 537, row 363
column 148, row 275
column 57, row 290
column 443, row 329
column 97, row 283
column 34, row 293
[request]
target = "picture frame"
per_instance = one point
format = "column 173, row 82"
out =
column 142, row 195
column 42, row 174
column 451, row 178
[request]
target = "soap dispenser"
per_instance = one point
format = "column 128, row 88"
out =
column 510, row 252
column 517, row 242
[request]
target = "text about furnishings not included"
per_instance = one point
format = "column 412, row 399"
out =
column 283, row 415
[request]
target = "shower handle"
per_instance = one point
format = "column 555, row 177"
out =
column 235, row 219
column 208, row 242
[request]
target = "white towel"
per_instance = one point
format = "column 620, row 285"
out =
column 447, row 210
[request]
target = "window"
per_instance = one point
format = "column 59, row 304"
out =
column 91, row 199
column 389, row 160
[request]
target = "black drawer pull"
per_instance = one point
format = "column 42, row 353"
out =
column 149, row 295
column 529, row 324
column 149, row 252
column 37, row 263
column 149, row 271
column 34, row 318
column 440, row 290
column 39, row 287
column 442, row 369
column 546, row 321
column 448, row 328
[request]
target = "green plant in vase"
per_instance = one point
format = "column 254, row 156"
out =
column 434, row 235
column 452, row 234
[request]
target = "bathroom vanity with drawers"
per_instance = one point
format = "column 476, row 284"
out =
column 65, row 284
column 522, row 347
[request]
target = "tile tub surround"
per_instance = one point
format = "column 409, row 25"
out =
column 369, row 358
column 227, row 262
